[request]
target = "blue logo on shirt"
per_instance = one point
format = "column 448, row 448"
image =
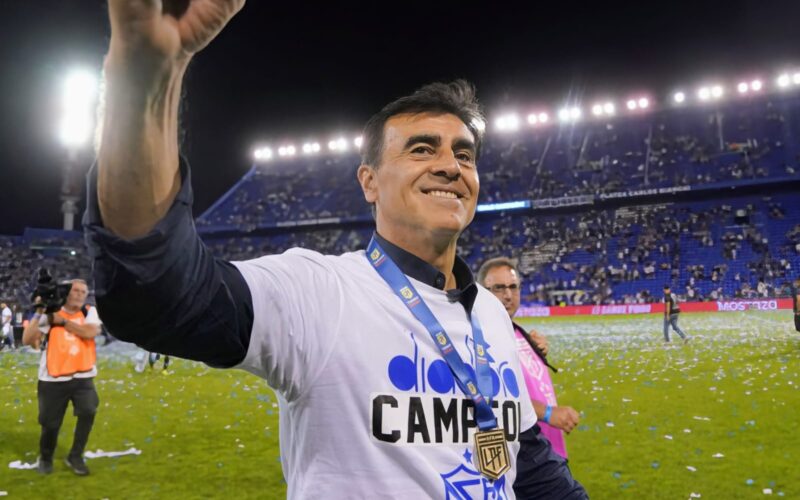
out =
column 465, row 483
column 418, row 373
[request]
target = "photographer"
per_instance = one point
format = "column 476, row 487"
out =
column 66, row 371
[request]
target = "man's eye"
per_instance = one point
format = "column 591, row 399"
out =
column 465, row 157
column 422, row 150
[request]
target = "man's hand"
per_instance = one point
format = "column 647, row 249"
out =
column 167, row 30
column 564, row 418
column 57, row 320
column 540, row 341
column 151, row 44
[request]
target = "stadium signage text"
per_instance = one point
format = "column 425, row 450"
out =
column 690, row 307
column 746, row 305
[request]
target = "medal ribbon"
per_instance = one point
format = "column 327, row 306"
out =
column 479, row 391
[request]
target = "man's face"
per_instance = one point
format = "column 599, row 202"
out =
column 77, row 295
column 504, row 283
column 427, row 181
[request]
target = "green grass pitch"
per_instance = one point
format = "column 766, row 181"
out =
column 717, row 418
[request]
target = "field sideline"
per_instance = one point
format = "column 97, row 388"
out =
column 715, row 418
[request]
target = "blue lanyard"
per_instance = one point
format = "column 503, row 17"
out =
column 404, row 290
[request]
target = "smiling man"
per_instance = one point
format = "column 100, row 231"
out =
column 397, row 376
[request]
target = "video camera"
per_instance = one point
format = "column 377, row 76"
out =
column 53, row 294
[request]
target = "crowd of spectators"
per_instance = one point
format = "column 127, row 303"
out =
column 680, row 147
column 745, row 247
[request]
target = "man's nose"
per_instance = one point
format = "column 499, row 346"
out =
column 448, row 167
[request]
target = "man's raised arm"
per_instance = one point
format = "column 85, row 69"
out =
column 156, row 283
column 151, row 45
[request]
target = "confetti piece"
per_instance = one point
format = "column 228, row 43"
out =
column 718, row 455
column 691, row 469
column 694, row 495
column 667, row 436
column 18, row 464
column 110, row 454
column 609, row 424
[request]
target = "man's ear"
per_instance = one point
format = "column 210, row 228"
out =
column 367, row 177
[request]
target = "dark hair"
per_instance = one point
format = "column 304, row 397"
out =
column 456, row 98
column 496, row 262
column 666, row 287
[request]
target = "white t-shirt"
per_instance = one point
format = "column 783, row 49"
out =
column 91, row 319
column 5, row 321
column 368, row 407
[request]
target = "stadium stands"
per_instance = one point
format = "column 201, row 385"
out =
column 705, row 198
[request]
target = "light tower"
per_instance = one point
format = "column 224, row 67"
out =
column 78, row 103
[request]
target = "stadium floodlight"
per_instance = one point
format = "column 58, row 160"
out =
column 79, row 95
column 704, row 93
column 679, row 97
column 533, row 119
column 290, row 150
column 507, row 123
column 643, row 102
column 332, row 145
column 796, row 78
column 261, row 154
column 597, row 109
column 743, row 87
column 358, row 141
column 543, row 117
column 341, row 144
column 756, row 85
column 311, row 148
column 783, row 80
column 572, row 114
column 631, row 104
column 717, row 91
column 307, row 148
column 609, row 108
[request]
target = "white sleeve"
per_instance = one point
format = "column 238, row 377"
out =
column 297, row 300
column 44, row 325
column 92, row 318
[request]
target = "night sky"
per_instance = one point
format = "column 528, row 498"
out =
column 298, row 69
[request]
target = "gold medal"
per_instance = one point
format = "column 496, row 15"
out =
column 491, row 451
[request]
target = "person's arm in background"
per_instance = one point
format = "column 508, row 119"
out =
column 85, row 331
column 561, row 417
column 32, row 334
column 155, row 281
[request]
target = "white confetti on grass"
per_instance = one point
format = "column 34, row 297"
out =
column 609, row 424
column 691, row 469
column 19, row 464
column 667, row 436
column 767, row 491
column 694, row 495
column 111, row 454
column 717, row 455
column 701, row 418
